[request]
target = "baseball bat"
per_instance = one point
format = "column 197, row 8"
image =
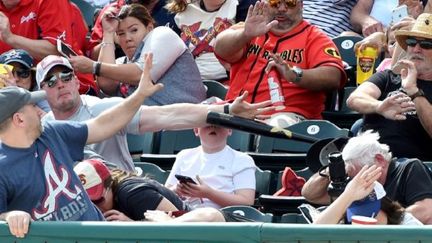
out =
column 252, row 126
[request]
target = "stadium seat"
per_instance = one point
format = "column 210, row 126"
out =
column 139, row 144
column 319, row 129
column 344, row 117
column 263, row 182
column 153, row 171
column 214, row 88
column 345, row 45
column 87, row 11
column 250, row 213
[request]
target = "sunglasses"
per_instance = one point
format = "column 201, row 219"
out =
column 425, row 44
column 22, row 73
column 51, row 81
column 288, row 3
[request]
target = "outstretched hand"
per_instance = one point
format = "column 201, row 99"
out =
column 251, row 111
column 395, row 107
column 257, row 20
column 408, row 76
column 146, row 87
column 363, row 183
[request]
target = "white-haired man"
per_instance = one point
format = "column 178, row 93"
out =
column 407, row 181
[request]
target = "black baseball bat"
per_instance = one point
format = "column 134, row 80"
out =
column 252, row 126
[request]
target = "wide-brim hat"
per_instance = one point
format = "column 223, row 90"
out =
column 318, row 154
column 422, row 28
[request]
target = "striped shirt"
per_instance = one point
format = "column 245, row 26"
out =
column 331, row 16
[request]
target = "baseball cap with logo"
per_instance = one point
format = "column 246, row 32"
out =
column 17, row 55
column 13, row 98
column 368, row 206
column 92, row 173
column 47, row 64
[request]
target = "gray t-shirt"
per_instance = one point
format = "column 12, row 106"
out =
column 115, row 149
column 173, row 66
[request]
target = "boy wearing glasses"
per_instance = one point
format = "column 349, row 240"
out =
column 275, row 36
column 22, row 74
column 398, row 105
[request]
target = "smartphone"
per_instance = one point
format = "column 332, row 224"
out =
column 3, row 69
column 184, row 179
column 64, row 49
column 399, row 13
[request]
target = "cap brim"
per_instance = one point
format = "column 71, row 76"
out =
column 402, row 35
column 37, row 96
column 18, row 61
column 95, row 192
column 317, row 155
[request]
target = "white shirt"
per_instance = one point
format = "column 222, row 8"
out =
column 227, row 171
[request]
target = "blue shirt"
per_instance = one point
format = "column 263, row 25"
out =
column 40, row 179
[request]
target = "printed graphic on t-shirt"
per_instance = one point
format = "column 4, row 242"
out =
column 63, row 199
column 192, row 35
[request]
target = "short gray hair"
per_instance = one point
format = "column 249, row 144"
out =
column 361, row 150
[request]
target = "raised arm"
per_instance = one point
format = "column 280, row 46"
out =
column 231, row 43
column 361, row 185
column 422, row 105
column 361, row 21
column 315, row 189
column 365, row 100
column 111, row 121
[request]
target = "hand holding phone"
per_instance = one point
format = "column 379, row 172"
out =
column 399, row 13
column 185, row 179
column 64, row 49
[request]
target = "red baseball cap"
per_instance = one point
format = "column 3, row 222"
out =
column 92, row 173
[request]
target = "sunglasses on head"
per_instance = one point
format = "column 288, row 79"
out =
column 425, row 44
column 52, row 80
column 22, row 73
column 288, row 3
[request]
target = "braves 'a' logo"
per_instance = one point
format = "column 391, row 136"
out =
column 58, row 181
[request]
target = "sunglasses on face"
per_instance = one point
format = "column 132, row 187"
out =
column 425, row 44
column 52, row 80
column 22, row 73
column 288, row 3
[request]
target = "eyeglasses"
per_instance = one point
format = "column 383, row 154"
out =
column 22, row 73
column 425, row 44
column 289, row 3
column 52, row 80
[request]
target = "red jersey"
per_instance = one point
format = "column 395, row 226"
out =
column 97, row 32
column 49, row 20
column 306, row 47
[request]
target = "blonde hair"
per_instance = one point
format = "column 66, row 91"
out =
column 176, row 6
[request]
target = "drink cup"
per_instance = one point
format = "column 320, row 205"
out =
column 365, row 63
column 363, row 220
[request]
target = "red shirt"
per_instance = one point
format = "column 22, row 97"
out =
column 97, row 32
column 306, row 47
column 49, row 20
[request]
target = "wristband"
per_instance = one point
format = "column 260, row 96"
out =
column 227, row 108
column 106, row 44
column 96, row 68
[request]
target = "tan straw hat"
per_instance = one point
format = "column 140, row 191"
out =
column 422, row 28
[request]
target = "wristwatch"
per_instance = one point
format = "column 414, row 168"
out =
column 417, row 94
column 299, row 74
